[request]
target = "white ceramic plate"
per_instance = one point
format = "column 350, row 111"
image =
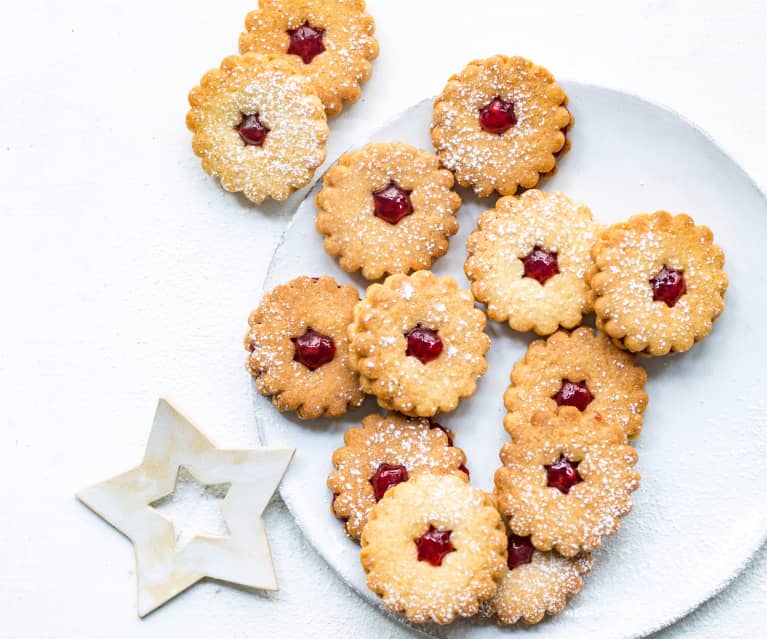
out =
column 700, row 512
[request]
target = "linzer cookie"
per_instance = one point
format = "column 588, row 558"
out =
column 566, row 481
column 433, row 548
column 332, row 39
column 418, row 343
column 581, row 369
column 657, row 283
column 536, row 583
column 528, row 258
column 387, row 208
column 384, row 452
column 299, row 349
column 500, row 124
column 258, row 126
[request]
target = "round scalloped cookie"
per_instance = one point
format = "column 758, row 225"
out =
column 258, row 126
column 332, row 39
column 527, row 261
column 500, row 124
column 434, row 548
column 299, row 349
column 657, row 282
column 418, row 343
column 582, row 369
column 566, row 481
column 387, row 208
column 536, row 583
column 385, row 451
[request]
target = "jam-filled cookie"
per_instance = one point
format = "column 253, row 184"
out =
column 536, row 583
column 331, row 39
column 299, row 349
column 418, row 343
column 386, row 451
column 258, row 126
column 657, row 282
column 501, row 124
column 433, row 548
column 528, row 258
column 566, row 480
column 387, row 208
column 581, row 369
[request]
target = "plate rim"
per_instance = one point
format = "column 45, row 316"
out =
column 257, row 398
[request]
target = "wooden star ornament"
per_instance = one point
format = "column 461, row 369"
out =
column 162, row 568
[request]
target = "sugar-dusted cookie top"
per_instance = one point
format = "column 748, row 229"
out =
column 657, row 282
column 433, row 548
column 418, row 343
column 299, row 349
column 581, row 369
column 501, row 124
column 387, row 208
column 527, row 261
column 566, row 480
column 332, row 39
column 258, row 126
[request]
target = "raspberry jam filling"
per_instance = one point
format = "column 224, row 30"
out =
column 444, row 430
column 497, row 116
column 313, row 349
column 423, row 343
column 386, row 476
column 434, row 545
column 573, row 394
column 252, row 131
column 520, row 551
column 466, row 470
column 563, row 474
column 392, row 203
column 668, row 286
column 540, row 264
column 306, row 42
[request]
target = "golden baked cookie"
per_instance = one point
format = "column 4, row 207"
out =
column 387, row 208
column 386, row 451
column 657, row 282
column 331, row 39
column 258, row 126
column 528, row 258
column 299, row 349
column 582, row 369
column 433, row 548
column 500, row 124
column 418, row 343
column 566, row 480
column 536, row 583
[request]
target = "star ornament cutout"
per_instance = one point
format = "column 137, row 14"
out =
column 164, row 569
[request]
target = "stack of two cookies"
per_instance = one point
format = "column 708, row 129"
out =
column 259, row 120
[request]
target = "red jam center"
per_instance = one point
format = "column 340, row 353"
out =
column 466, row 470
column 573, row 394
column 444, row 430
column 434, row 545
column 668, row 286
column 563, row 474
column 520, row 551
column 306, row 42
column 497, row 116
column 423, row 343
column 386, row 476
column 252, row 131
column 540, row 264
column 313, row 349
column 392, row 203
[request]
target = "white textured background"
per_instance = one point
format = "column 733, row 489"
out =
column 125, row 272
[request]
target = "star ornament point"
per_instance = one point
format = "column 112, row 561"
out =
column 163, row 569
